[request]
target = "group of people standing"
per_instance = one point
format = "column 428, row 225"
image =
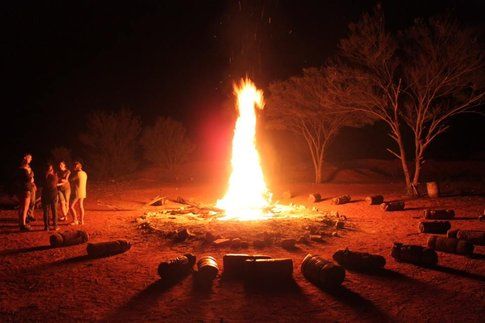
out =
column 55, row 190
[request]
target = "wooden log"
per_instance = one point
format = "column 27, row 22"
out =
column 393, row 206
column 321, row 272
column 341, row 199
column 267, row 270
column 473, row 236
column 235, row 264
column 108, row 248
column 360, row 261
column 314, row 198
column 437, row 227
column 177, row 267
column 413, row 254
column 441, row 214
column 68, row 238
column 452, row 233
column 207, row 269
column 450, row 245
column 374, row 199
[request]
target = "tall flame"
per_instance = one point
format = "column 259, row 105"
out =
column 247, row 196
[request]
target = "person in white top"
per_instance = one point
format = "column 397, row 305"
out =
column 79, row 181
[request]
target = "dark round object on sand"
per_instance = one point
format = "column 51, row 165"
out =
column 207, row 269
column 267, row 270
column 108, row 248
column 176, row 267
column 322, row 273
column 361, row 261
column 450, row 245
column 68, row 238
column 374, row 199
column 438, row 227
column 414, row 254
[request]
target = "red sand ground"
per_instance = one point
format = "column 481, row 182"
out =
column 38, row 283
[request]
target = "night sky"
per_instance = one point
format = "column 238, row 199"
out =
column 63, row 59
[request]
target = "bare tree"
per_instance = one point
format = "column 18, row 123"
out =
column 444, row 72
column 110, row 142
column 166, row 143
column 434, row 75
column 297, row 105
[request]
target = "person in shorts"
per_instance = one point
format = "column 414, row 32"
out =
column 79, row 181
column 24, row 183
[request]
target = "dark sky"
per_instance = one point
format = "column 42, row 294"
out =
column 63, row 59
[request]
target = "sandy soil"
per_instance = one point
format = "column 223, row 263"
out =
column 44, row 284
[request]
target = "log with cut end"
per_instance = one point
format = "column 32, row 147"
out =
column 450, row 245
column 414, row 254
column 374, row 199
column 108, row 248
column 267, row 270
column 437, row 227
column 361, row 261
column 68, row 238
column 321, row 272
column 341, row 199
column 177, row 267
column 235, row 264
column 207, row 269
column 439, row 214
column 473, row 236
column 314, row 198
column 393, row 206
column 452, row 233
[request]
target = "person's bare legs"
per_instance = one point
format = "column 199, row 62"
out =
column 81, row 208
column 73, row 210
column 24, row 209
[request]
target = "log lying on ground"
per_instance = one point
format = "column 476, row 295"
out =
column 314, row 198
column 177, row 267
column 108, row 248
column 439, row 214
column 374, row 199
column 473, row 236
column 360, row 261
column 341, row 199
column 207, row 269
column 450, row 245
column 321, row 272
column 267, row 270
column 413, row 254
column 68, row 238
column 452, row 233
column 438, row 227
column 393, row 206
column 235, row 264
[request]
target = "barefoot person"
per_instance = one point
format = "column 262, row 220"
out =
column 49, row 197
column 24, row 183
column 64, row 188
column 79, row 181
column 33, row 188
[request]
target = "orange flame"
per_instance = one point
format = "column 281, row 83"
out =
column 247, row 197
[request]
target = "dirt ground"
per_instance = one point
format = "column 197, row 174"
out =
column 43, row 284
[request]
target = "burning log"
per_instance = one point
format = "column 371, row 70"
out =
column 439, row 214
column 269, row 269
column 106, row 249
column 157, row 201
column 437, row 227
column 235, row 264
column 207, row 269
column 360, row 261
column 450, row 245
column 473, row 236
column 393, row 206
column 341, row 199
column 177, row 267
column 374, row 199
column 314, row 198
column 68, row 238
column 323, row 273
column 413, row 254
